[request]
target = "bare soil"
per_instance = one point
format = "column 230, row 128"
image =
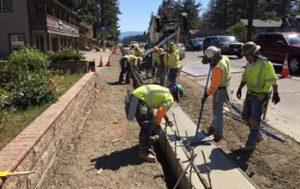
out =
column 104, row 155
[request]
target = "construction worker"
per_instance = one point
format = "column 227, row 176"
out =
column 125, row 63
column 173, row 62
column 218, row 88
column 138, row 51
column 155, row 61
column 259, row 76
column 162, row 66
column 153, row 97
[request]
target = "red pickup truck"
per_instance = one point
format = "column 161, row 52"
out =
column 275, row 46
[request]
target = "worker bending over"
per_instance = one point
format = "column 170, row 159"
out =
column 126, row 62
column 220, row 79
column 149, row 97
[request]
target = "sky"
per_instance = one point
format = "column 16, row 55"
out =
column 136, row 13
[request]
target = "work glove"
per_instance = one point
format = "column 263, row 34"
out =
column 275, row 98
column 168, row 122
column 203, row 99
column 239, row 93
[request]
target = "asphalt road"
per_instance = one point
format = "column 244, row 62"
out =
column 284, row 116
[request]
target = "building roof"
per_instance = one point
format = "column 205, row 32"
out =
column 263, row 23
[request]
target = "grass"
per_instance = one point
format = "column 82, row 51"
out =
column 16, row 121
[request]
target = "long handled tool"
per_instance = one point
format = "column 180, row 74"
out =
column 262, row 130
column 203, row 102
column 9, row 173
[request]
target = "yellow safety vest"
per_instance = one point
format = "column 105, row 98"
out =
column 130, row 58
column 155, row 58
column 173, row 59
column 138, row 52
column 260, row 76
column 224, row 65
column 154, row 96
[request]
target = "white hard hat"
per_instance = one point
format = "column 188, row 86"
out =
column 210, row 54
column 250, row 48
column 211, row 51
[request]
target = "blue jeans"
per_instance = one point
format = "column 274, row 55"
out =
column 147, row 125
column 218, row 117
column 172, row 75
column 162, row 76
column 252, row 110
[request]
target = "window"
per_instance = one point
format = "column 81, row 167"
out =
column 16, row 41
column 5, row 6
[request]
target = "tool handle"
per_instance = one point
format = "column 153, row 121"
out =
column 202, row 104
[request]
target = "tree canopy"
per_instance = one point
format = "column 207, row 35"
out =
column 103, row 14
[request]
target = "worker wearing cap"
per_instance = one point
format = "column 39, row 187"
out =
column 126, row 62
column 173, row 62
column 138, row 51
column 153, row 97
column 259, row 76
column 220, row 79
column 155, row 61
column 162, row 66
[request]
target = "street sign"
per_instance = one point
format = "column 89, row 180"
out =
column 103, row 28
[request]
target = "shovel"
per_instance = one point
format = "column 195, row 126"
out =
column 202, row 103
column 9, row 173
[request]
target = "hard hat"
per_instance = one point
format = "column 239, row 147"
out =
column 250, row 48
column 172, row 44
column 176, row 90
column 155, row 49
column 211, row 54
column 160, row 50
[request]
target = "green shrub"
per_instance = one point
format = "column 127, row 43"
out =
column 31, row 89
column 29, row 59
column 238, row 30
column 65, row 54
column 5, row 99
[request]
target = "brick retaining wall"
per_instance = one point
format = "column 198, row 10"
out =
column 36, row 146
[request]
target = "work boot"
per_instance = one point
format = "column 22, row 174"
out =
column 151, row 151
column 260, row 138
column 217, row 138
column 210, row 131
column 146, row 156
column 153, row 139
column 246, row 148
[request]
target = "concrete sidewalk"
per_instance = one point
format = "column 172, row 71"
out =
column 223, row 173
column 94, row 55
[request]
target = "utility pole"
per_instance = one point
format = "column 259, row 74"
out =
column 225, row 13
column 250, row 5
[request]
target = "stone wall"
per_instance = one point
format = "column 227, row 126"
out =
column 36, row 147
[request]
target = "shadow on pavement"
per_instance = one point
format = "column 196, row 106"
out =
column 215, row 163
column 118, row 159
column 240, row 158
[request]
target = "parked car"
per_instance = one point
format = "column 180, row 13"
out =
column 276, row 45
column 228, row 44
column 195, row 44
